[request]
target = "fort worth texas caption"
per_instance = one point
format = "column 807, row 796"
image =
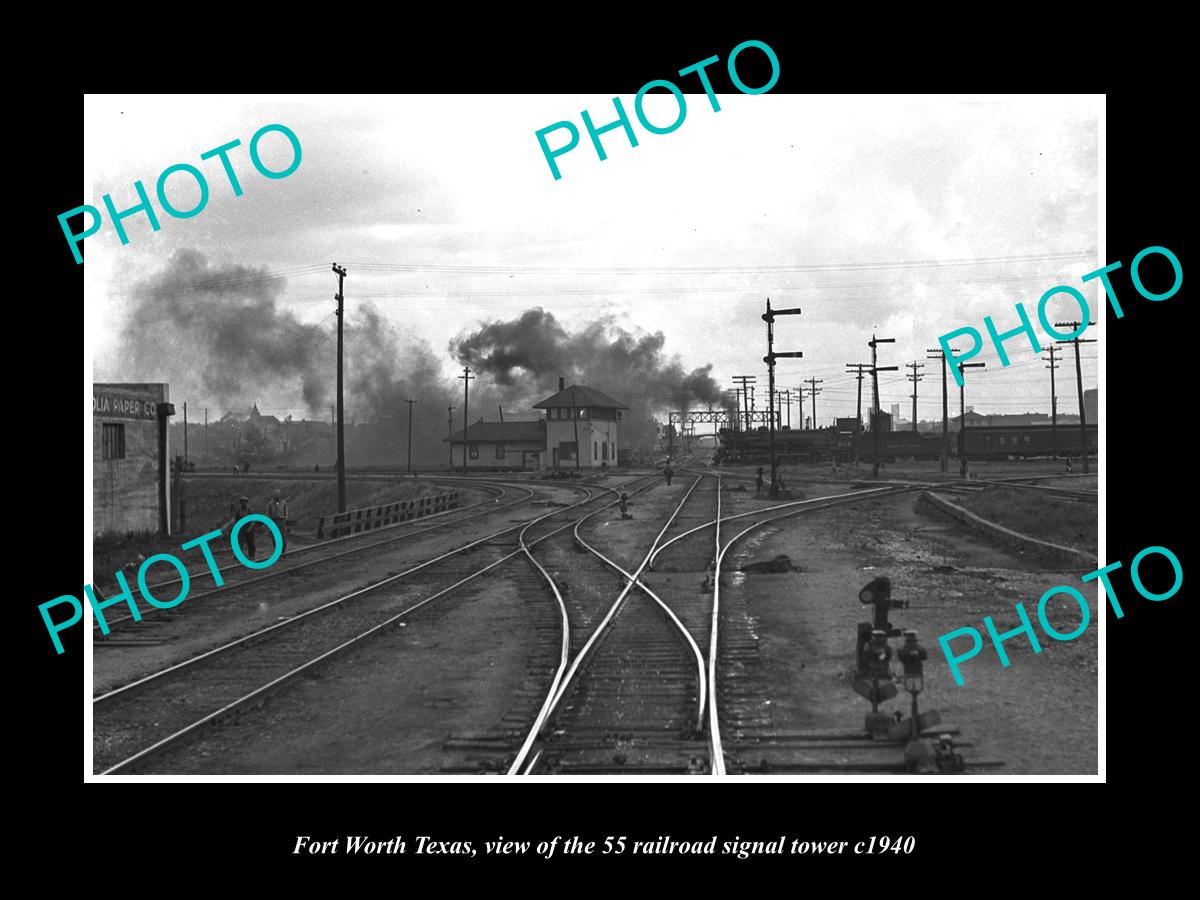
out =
column 612, row 845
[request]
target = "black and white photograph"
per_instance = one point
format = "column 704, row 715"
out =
column 703, row 432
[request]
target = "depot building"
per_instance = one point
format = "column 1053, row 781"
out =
column 579, row 430
column 131, row 489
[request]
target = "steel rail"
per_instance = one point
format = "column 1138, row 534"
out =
column 717, row 756
column 758, row 512
column 564, row 684
column 335, row 602
column 565, row 642
column 211, row 717
column 718, row 759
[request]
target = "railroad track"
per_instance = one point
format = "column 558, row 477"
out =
column 133, row 723
column 632, row 699
column 301, row 559
column 648, row 699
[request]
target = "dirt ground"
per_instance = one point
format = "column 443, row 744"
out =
column 476, row 661
column 388, row 707
column 1038, row 715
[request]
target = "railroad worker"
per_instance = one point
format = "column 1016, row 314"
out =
column 625, row 513
column 758, row 484
column 246, row 536
column 1069, row 468
column 668, row 472
column 277, row 513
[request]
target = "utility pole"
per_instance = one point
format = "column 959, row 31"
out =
column 1083, row 441
column 812, row 393
column 858, row 368
column 940, row 354
column 914, row 378
column 410, row 406
column 185, row 442
column 340, row 271
column 962, row 413
column 875, row 370
column 1053, row 401
column 466, row 377
column 206, row 434
column 450, row 433
column 787, row 399
column 575, row 419
column 744, row 381
column 769, row 359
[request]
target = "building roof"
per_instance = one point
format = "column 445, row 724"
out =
column 580, row 397
column 500, row 432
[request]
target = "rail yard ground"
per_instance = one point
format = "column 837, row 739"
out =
column 423, row 695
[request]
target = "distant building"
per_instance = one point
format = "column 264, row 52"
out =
column 1091, row 405
column 131, row 486
column 895, row 413
column 849, row 423
column 581, row 427
column 885, row 421
column 500, row 445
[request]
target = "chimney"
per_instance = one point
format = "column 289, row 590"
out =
column 562, row 383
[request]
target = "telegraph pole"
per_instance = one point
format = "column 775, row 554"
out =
column 450, row 433
column 185, row 446
column 813, row 391
column 410, row 406
column 575, row 418
column 797, row 393
column 787, row 400
column 962, row 413
column 1053, row 401
column 769, row 359
column 340, row 271
column 860, row 368
column 940, row 354
column 466, row 377
column 1083, row 442
column 744, row 381
column 914, row 378
column 206, row 434
column 875, row 370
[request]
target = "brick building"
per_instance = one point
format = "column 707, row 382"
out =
column 130, row 458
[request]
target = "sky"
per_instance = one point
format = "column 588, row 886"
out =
column 908, row 217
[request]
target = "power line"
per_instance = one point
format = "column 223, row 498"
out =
column 681, row 270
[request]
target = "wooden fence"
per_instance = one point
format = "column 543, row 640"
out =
column 368, row 518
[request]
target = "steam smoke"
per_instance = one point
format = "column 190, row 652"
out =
column 217, row 331
column 524, row 357
column 219, row 325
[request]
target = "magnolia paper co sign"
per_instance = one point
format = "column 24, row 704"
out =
column 114, row 405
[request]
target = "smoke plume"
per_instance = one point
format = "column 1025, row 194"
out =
column 523, row 359
column 217, row 330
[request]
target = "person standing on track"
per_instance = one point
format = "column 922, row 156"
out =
column 758, row 484
column 277, row 513
column 668, row 472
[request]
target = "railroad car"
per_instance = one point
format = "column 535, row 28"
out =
column 1004, row 441
column 981, row 442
